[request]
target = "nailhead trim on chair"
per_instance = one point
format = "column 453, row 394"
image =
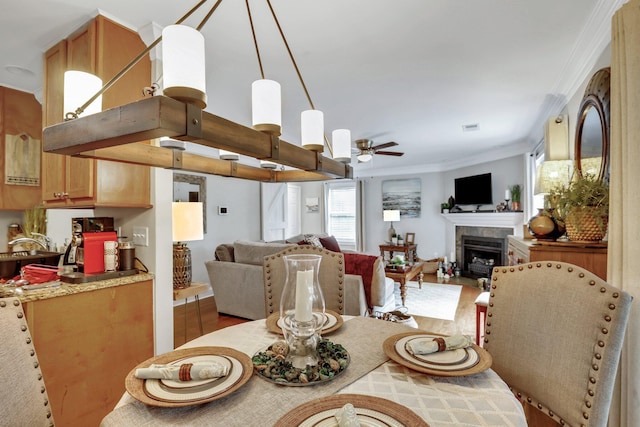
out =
column 593, row 379
column 32, row 353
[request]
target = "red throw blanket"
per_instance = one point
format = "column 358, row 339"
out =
column 361, row 265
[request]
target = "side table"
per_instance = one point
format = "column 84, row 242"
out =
column 195, row 290
column 409, row 250
column 404, row 274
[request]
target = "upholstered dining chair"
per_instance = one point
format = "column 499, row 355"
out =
column 555, row 333
column 22, row 391
column 330, row 276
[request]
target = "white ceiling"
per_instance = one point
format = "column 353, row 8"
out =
column 410, row 71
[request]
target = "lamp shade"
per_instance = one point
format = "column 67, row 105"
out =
column 391, row 215
column 228, row 155
column 312, row 125
column 266, row 106
column 341, row 140
column 78, row 88
column 553, row 174
column 183, row 65
column 187, row 221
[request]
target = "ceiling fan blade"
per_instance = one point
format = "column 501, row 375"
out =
column 385, row 145
column 390, row 153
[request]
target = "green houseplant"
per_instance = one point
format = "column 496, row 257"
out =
column 584, row 208
column 515, row 197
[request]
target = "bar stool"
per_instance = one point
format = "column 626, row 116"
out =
column 195, row 290
column 481, row 308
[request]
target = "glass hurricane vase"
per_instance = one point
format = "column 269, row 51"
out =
column 302, row 309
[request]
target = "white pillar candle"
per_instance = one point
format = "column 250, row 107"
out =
column 445, row 260
column 304, row 286
column 507, row 194
column 453, row 256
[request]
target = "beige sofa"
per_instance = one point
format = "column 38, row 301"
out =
column 236, row 277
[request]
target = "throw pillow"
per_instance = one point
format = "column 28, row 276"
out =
column 312, row 239
column 330, row 243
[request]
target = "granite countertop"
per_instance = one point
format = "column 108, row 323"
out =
column 71, row 289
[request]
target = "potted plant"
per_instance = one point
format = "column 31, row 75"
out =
column 515, row 198
column 444, row 207
column 584, row 207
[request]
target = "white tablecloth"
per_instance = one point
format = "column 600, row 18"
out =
column 476, row 400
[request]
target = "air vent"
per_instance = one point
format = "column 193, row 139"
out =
column 471, row 127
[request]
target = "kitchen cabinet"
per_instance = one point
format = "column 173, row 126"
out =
column 87, row 340
column 102, row 47
column 20, row 142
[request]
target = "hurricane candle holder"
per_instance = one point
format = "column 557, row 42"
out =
column 302, row 309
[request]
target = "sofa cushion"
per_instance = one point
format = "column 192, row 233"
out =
column 330, row 243
column 224, row 252
column 254, row 252
column 363, row 266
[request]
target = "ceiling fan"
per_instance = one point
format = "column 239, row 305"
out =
column 365, row 149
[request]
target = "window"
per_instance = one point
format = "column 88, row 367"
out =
column 341, row 213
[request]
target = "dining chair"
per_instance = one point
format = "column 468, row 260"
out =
column 555, row 333
column 22, row 391
column 330, row 276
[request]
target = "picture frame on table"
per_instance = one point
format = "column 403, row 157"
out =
column 410, row 238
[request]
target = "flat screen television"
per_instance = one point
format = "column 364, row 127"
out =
column 474, row 190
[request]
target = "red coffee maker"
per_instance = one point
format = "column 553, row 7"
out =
column 89, row 235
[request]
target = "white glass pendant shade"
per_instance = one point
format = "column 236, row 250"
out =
column 265, row 164
column 183, row 65
column 78, row 88
column 228, row 155
column 312, row 124
column 266, row 106
column 341, row 140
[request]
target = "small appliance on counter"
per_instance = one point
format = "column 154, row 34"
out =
column 86, row 250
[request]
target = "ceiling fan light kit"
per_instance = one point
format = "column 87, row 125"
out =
column 367, row 150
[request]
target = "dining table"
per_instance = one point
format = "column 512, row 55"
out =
column 478, row 399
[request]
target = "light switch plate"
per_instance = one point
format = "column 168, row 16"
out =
column 141, row 236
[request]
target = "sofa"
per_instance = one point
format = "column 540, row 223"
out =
column 236, row 277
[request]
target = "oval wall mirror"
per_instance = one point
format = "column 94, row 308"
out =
column 592, row 131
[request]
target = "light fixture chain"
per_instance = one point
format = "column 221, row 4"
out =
column 255, row 40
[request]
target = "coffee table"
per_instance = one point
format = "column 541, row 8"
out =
column 402, row 274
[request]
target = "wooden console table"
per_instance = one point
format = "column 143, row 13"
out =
column 592, row 256
column 402, row 274
column 409, row 250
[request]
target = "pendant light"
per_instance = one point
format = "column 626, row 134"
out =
column 265, row 164
column 228, row 155
column 266, row 106
column 183, row 65
column 76, row 86
column 341, row 141
column 312, row 125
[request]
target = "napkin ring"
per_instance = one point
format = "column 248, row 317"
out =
column 442, row 346
column 185, row 372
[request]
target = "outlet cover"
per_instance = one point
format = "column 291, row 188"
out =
column 141, row 236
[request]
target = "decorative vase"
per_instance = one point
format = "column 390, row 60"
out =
column 302, row 309
column 516, row 206
column 583, row 225
column 543, row 227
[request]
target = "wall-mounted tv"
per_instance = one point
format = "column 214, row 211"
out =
column 474, row 190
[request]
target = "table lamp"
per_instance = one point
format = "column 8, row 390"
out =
column 187, row 225
column 390, row 216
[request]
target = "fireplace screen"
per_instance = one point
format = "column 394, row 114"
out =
column 481, row 254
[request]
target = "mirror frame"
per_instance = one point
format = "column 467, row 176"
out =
column 596, row 96
column 201, row 182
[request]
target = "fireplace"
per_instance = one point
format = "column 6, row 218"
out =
column 480, row 254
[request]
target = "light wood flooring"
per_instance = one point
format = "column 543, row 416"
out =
column 464, row 323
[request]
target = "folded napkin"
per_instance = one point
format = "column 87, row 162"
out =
column 347, row 416
column 428, row 346
column 184, row 372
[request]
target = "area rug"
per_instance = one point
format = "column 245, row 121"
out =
column 433, row 300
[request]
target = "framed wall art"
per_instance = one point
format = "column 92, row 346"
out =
column 404, row 195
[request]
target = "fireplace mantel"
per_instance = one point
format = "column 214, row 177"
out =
column 488, row 219
column 511, row 220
